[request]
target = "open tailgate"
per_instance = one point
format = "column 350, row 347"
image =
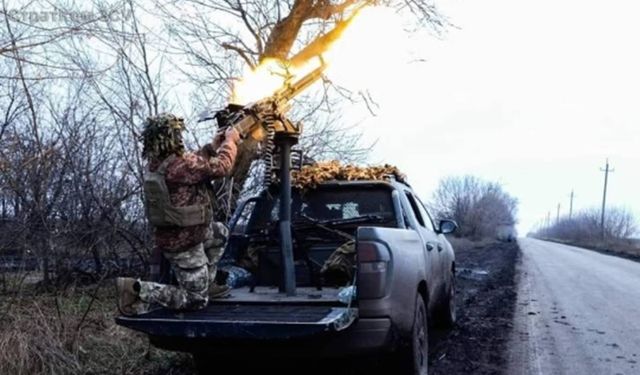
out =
column 254, row 322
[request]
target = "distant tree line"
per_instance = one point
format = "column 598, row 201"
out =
column 586, row 226
column 481, row 208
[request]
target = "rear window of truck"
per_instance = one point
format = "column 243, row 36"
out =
column 343, row 203
column 331, row 203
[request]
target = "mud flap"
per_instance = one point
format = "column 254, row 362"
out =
column 254, row 322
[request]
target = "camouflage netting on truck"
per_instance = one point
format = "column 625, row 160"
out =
column 311, row 176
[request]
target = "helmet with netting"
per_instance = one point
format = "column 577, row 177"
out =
column 162, row 136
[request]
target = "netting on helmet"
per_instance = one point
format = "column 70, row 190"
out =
column 162, row 136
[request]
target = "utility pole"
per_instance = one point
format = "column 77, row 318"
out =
column 548, row 219
column 558, row 215
column 571, row 204
column 606, row 171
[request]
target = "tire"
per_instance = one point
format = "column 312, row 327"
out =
column 203, row 363
column 208, row 363
column 445, row 315
column 413, row 359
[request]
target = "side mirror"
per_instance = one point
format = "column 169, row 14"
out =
column 447, row 226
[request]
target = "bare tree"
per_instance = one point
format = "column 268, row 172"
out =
column 479, row 207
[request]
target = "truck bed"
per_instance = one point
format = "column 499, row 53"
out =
column 271, row 295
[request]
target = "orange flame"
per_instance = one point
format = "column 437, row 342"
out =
column 260, row 82
column 354, row 59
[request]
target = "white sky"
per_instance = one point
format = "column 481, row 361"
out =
column 534, row 94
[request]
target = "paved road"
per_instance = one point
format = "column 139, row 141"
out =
column 578, row 312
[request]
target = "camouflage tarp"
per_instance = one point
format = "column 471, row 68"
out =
column 311, row 175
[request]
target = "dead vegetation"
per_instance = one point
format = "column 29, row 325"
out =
column 73, row 332
column 586, row 229
column 311, row 176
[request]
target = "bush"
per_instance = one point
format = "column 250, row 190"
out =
column 587, row 226
column 479, row 207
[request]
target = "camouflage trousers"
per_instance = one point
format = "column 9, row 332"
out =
column 339, row 267
column 194, row 270
column 214, row 245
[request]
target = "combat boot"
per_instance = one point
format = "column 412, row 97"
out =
column 129, row 302
column 218, row 291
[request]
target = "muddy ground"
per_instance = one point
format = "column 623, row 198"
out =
column 486, row 298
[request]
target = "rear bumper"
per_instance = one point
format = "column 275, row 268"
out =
column 367, row 335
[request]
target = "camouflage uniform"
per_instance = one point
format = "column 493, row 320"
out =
column 194, row 251
column 250, row 258
column 192, row 274
column 339, row 267
column 214, row 246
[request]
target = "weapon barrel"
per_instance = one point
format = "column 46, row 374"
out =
column 292, row 90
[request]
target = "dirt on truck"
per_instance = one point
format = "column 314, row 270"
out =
column 372, row 272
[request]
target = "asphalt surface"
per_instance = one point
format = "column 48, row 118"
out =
column 577, row 312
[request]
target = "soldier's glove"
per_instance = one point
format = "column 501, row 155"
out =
column 232, row 135
column 217, row 140
column 209, row 150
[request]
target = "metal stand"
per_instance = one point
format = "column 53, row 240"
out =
column 284, row 143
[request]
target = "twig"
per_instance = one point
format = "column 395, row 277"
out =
column 86, row 312
column 59, row 314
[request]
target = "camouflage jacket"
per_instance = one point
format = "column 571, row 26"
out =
column 183, row 176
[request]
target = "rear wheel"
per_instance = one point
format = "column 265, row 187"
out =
column 413, row 359
column 203, row 363
column 210, row 363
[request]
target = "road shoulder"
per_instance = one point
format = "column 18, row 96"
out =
column 486, row 300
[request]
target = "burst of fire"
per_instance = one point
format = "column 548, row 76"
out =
column 260, row 82
column 358, row 53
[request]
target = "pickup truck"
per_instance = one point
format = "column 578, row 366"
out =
column 404, row 281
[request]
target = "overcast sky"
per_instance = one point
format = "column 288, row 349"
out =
column 534, row 94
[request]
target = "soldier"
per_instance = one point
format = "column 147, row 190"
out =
column 178, row 204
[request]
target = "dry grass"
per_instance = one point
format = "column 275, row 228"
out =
column 73, row 332
column 622, row 247
column 462, row 243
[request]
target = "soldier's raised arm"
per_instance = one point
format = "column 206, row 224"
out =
column 210, row 149
column 196, row 167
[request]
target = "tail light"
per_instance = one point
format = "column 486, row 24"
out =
column 374, row 261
